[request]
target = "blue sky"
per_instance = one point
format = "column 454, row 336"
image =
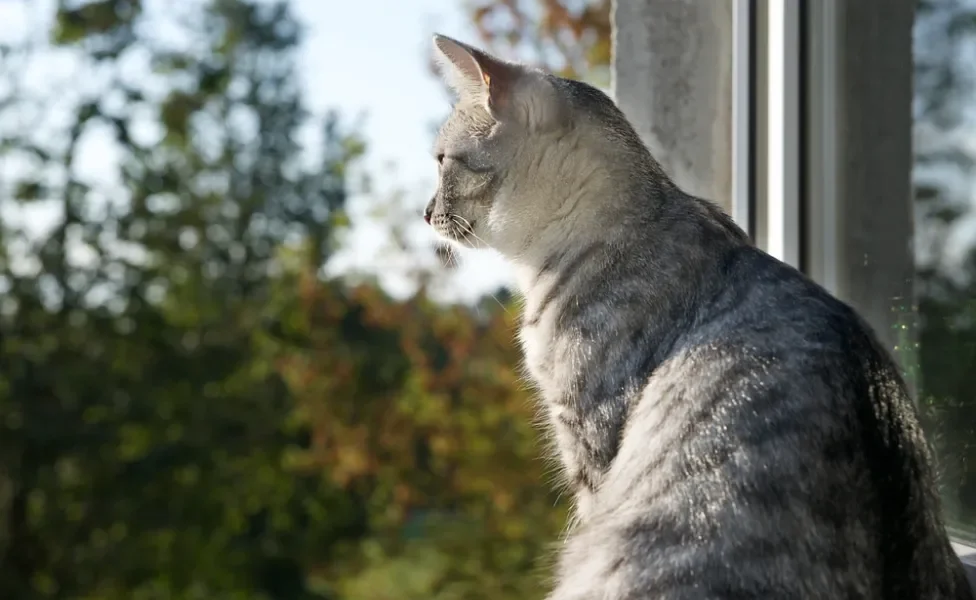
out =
column 364, row 58
column 384, row 45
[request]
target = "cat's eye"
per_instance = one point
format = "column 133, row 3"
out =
column 460, row 160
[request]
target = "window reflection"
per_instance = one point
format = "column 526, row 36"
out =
column 945, row 254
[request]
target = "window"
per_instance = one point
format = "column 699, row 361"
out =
column 867, row 185
column 944, row 115
column 839, row 165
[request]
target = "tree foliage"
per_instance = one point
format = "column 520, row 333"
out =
column 415, row 410
column 188, row 408
column 571, row 37
column 141, row 438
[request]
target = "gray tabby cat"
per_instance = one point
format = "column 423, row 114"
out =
column 728, row 428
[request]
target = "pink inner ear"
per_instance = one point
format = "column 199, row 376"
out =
column 464, row 62
column 500, row 79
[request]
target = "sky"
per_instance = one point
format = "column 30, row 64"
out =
column 368, row 59
column 386, row 45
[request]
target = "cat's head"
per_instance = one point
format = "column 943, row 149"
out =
column 519, row 151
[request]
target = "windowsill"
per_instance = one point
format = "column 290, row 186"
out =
column 968, row 555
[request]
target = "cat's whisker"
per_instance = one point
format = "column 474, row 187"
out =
column 468, row 230
column 464, row 221
column 464, row 224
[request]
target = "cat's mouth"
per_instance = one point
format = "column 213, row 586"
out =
column 462, row 230
column 457, row 229
column 467, row 231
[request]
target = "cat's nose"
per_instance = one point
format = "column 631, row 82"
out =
column 429, row 211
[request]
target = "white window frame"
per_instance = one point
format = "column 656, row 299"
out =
column 744, row 73
column 783, row 133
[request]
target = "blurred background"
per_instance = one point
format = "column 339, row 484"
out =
column 233, row 362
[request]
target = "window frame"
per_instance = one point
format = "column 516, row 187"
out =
column 744, row 116
column 840, row 128
column 788, row 103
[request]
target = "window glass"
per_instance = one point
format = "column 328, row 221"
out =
column 944, row 114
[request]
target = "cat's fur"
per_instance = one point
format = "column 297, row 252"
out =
column 728, row 428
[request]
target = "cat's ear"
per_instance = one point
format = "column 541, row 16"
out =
column 509, row 90
column 471, row 72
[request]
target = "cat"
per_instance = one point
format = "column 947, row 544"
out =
column 727, row 427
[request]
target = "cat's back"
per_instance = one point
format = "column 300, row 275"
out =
column 774, row 452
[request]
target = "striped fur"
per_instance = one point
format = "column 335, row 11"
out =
column 729, row 429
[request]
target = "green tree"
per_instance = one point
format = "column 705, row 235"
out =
column 142, row 437
column 415, row 410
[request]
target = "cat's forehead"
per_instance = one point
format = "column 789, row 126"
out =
column 467, row 124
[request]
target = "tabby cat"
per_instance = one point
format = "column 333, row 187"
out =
column 728, row 428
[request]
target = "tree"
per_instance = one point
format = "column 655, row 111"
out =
column 141, row 437
column 188, row 408
column 415, row 410
column 571, row 38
